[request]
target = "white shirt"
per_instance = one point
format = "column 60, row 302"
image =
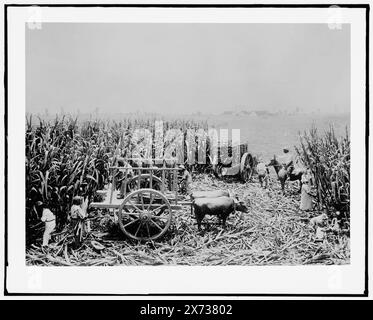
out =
column 77, row 212
column 47, row 215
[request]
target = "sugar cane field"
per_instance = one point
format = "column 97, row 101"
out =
column 70, row 156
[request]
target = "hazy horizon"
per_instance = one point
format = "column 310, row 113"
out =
column 187, row 68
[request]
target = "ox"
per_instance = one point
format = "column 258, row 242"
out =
column 220, row 206
column 283, row 174
column 209, row 194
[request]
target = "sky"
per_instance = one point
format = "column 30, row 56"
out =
column 187, row 68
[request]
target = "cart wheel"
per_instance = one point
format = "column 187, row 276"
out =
column 246, row 168
column 133, row 184
column 145, row 214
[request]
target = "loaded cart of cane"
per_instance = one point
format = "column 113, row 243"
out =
column 148, row 199
column 242, row 168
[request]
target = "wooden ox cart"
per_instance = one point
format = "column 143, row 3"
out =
column 150, row 198
column 244, row 168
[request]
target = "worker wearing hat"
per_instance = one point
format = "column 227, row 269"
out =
column 306, row 191
column 49, row 220
column 263, row 173
column 288, row 159
column 78, row 210
column 185, row 181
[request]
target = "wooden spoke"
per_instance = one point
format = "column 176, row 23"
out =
column 151, row 201
column 134, row 206
column 132, row 216
column 160, row 217
column 138, row 228
column 155, row 206
column 147, row 229
column 142, row 202
column 156, row 224
column 129, row 223
column 158, row 208
column 129, row 210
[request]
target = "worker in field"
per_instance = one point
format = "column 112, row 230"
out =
column 78, row 212
column 124, row 175
column 307, row 193
column 263, row 173
column 185, row 180
column 288, row 160
column 49, row 220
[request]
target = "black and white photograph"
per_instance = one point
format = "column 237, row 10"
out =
column 170, row 141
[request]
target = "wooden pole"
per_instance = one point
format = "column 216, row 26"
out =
column 125, row 183
column 112, row 187
column 151, row 178
column 163, row 176
column 175, row 183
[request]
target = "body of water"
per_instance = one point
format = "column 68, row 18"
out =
column 267, row 136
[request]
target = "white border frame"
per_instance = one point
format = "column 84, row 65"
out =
column 346, row 279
